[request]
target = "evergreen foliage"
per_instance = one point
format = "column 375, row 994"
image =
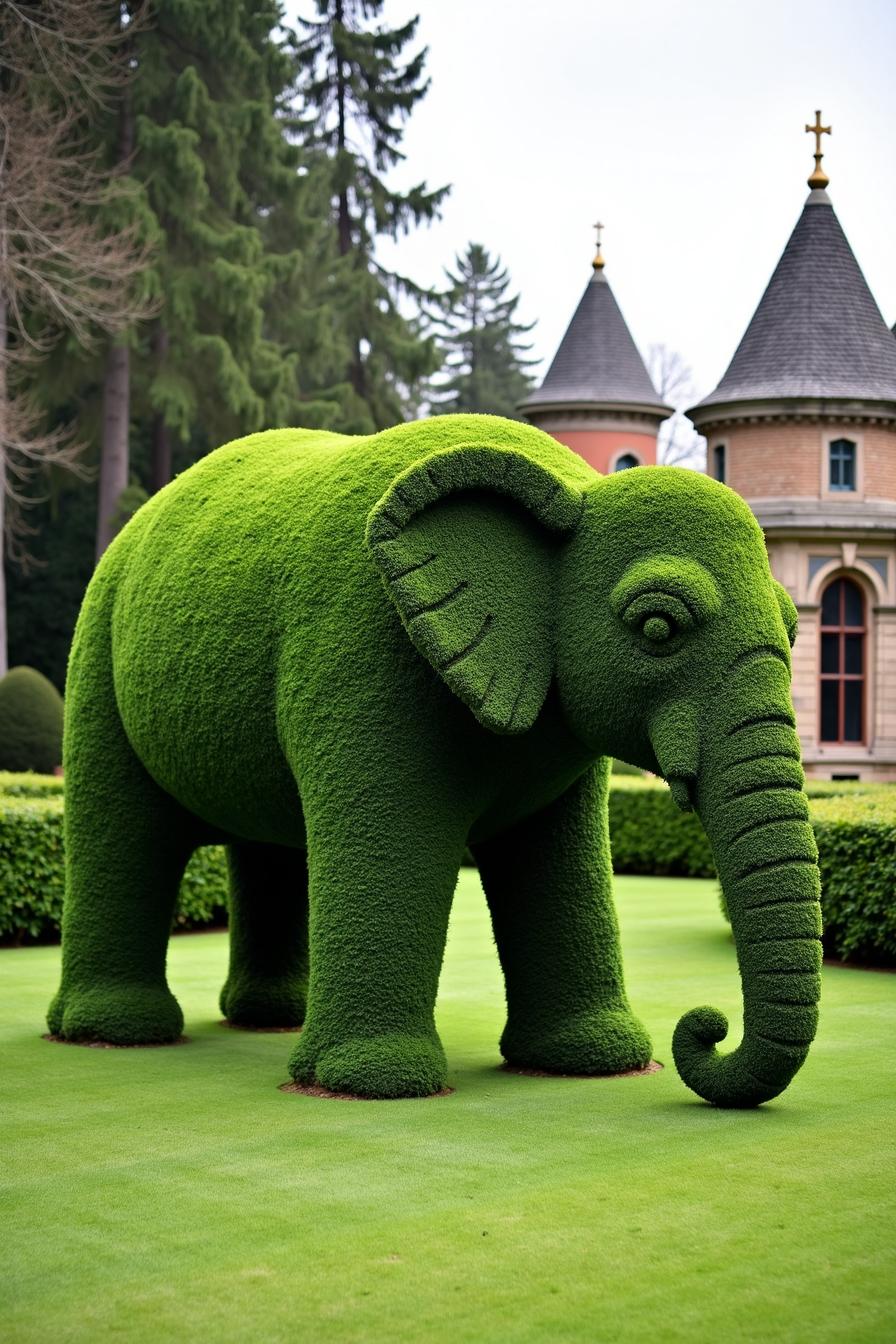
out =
column 243, row 259
column 485, row 368
column 30, row 722
column 214, row 165
column 267, row 688
column 44, row 600
column 357, row 91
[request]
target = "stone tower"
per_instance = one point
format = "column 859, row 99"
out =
column 597, row 396
column 803, row 425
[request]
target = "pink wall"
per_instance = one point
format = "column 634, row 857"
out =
column 600, row 447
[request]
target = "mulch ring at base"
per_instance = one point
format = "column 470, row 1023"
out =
column 312, row 1090
column 268, row 1031
column 653, row 1067
column 112, row 1045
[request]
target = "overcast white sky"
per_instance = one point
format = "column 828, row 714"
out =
column 679, row 123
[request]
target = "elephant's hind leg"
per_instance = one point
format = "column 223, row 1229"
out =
column 549, row 889
column 268, row 976
column 127, row 844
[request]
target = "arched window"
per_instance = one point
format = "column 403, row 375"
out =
column 625, row 461
column 841, row 465
column 718, row 462
column 842, row 662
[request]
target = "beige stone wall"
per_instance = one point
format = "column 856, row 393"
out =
column 776, row 461
column 790, row 562
column 789, row 460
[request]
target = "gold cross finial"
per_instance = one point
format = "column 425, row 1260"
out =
column 819, row 177
column 598, row 262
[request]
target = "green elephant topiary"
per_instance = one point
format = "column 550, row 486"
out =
column 30, row 722
column 346, row 658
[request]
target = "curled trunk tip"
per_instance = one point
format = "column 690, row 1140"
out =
column 728, row 1080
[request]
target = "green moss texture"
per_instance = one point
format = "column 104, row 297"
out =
column 349, row 658
column 30, row 722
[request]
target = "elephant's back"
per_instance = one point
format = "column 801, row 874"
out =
column 209, row 569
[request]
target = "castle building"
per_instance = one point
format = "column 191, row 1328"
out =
column 597, row 396
column 803, row 425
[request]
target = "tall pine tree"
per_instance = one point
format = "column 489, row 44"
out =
column 485, row 368
column 356, row 91
column 215, row 163
column 212, row 166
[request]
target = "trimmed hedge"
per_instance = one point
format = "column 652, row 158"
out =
column 650, row 835
column 26, row 784
column 857, row 855
column 855, row 829
column 32, row 878
column 854, row 824
column 30, row 721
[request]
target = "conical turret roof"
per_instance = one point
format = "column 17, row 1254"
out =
column 817, row 331
column 597, row 363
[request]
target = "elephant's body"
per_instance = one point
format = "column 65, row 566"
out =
column 242, row 599
column 242, row 674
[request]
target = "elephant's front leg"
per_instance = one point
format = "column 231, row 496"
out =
column 382, row 875
column 549, row 889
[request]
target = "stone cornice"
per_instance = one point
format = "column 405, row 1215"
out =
column 812, row 410
column 865, row 518
column 591, row 415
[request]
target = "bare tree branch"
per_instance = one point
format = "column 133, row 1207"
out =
column 65, row 264
column 678, row 444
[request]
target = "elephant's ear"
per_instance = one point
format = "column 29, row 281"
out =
column 465, row 540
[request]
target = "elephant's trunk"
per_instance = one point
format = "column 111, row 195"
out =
column 749, row 794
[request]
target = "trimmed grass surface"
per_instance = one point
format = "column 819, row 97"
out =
column 177, row 1195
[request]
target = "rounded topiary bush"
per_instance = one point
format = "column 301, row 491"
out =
column 30, row 722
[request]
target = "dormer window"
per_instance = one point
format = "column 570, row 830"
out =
column 625, row 461
column 718, row 462
column 842, row 465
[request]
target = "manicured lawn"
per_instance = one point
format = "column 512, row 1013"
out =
column 176, row 1194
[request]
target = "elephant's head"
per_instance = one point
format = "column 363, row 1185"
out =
column 646, row 596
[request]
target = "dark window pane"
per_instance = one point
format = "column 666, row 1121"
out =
column 848, row 473
column 842, row 465
column 852, row 711
column 829, row 715
column 625, row 461
column 719, row 453
column 830, row 603
column 830, row 653
column 854, row 651
column 853, row 603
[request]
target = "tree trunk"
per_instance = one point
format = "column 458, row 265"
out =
column 114, row 463
column 356, row 372
column 161, row 437
column 4, row 653
column 114, row 454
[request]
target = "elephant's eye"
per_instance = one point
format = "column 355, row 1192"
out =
column 656, row 629
column 660, row 620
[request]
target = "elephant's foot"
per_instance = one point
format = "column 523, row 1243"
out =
column 393, row 1065
column 263, row 1003
column 603, row 1042
column 117, row 1014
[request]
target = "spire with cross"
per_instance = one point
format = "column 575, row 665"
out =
column 598, row 262
column 819, row 178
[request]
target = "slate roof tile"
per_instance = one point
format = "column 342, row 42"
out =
column 817, row 331
column 597, row 360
